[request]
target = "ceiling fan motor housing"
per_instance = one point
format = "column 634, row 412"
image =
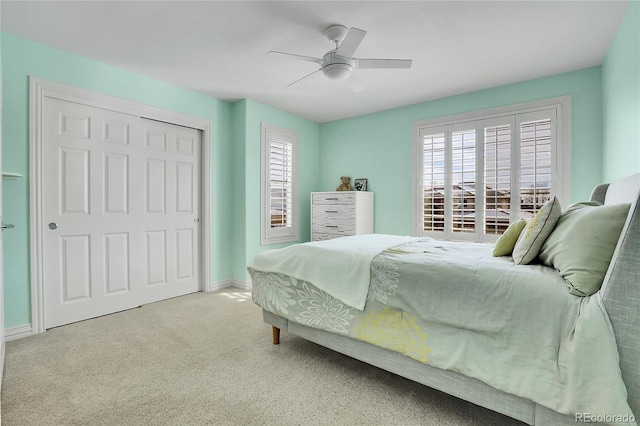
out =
column 337, row 67
column 336, row 33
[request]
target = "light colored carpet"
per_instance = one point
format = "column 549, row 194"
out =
column 207, row 359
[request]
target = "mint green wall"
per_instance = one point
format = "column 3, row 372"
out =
column 378, row 146
column 238, row 184
column 22, row 58
column 309, row 144
column 221, row 193
column 621, row 99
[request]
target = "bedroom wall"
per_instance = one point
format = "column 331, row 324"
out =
column 378, row 146
column 248, row 115
column 237, row 183
column 621, row 99
column 22, row 58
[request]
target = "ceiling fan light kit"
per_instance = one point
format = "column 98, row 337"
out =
column 339, row 63
column 337, row 67
column 337, row 71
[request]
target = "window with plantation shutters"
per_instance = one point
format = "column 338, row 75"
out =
column 279, row 185
column 477, row 173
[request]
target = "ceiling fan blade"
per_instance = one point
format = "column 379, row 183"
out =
column 351, row 42
column 384, row 63
column 302, row 57
column 308, row 75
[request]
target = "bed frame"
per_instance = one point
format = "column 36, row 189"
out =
column 620, row 296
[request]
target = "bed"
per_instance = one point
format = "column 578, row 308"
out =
column 449, row 315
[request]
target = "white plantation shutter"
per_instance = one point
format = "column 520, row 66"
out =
column 279, row 185
column 463, row 180
column 281, row 182
column 433, row 180
column 476, row 177
column 535, row 162
column 497, row 177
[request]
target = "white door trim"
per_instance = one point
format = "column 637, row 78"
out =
column 40, row 89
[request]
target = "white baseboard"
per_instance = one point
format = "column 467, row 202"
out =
column 219, row 285
column 242, row 285
column 229, row 283
column 14, row 333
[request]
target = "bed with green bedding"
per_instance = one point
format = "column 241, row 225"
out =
column 452, row 316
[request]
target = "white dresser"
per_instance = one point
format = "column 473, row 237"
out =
column 337, row 214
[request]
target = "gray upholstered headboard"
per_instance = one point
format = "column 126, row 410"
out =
column 620, row 292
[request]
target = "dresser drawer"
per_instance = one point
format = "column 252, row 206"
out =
column 330, row 212
column 347, row 197
column 335, row 228
column 318, row 236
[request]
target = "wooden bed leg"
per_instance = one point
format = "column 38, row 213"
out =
column 276, row 335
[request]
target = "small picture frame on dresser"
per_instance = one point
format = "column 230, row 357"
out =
column 360, row 184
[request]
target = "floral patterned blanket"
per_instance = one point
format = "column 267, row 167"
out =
column 327, row 264
column 456, row 307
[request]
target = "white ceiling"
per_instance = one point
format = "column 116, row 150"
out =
column 219, row 47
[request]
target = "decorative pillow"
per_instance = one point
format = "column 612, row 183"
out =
column 536, row 232
column 506, row 242
column 582, row 244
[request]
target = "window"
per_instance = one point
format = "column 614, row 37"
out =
column 476, row 173
column 279, row 155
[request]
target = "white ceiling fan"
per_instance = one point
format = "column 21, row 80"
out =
column 339, row 63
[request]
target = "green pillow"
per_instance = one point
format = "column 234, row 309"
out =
column 506, row 242
column 536, row 232
column 582, row 244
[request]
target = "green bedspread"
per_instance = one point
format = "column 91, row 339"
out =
column 328, row 264
column 454, row 306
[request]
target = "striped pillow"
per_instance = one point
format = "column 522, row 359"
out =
column 536, row 232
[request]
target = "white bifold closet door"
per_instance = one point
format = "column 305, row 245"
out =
column 120, row 211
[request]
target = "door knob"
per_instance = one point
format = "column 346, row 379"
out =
column 53, row 225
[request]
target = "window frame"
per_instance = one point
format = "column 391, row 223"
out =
column 561, row 158
column 273, row 235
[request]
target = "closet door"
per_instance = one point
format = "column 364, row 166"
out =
column 112, row 237
column 170, row 226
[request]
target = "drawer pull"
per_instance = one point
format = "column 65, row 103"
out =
column 331, row 211
column 331, row 226
column 335, row 198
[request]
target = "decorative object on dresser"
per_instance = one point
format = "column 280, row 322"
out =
column 338, row 214
column 345, row 185
column 360, row 184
